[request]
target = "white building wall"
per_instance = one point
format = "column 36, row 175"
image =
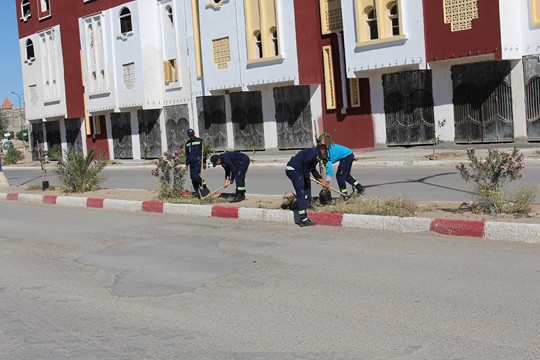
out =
column 128, row 61
column 279, row 71
column 216, row 23
column 37, row 106
column 106, row 100
column 146, row 22
column 410, row 51
column 176, row 45
column 519, row 36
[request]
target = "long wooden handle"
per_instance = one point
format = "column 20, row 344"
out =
column 329, row 187
column 213, row 192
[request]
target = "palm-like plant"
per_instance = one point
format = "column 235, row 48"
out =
column 79, row 173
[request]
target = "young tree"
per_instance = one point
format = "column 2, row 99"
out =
column 3, row 122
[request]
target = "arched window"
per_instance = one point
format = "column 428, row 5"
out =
column 30, row 50
column 25, row 8
column 394, row 18
column 373, row 29
column 169, row 14
column 125, row 21
column 258, row 44
column 275, row 43
column 44, row 5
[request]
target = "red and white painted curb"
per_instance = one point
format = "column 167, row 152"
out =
column 492, row 230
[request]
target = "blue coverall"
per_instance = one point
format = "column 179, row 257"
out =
column 298, row 170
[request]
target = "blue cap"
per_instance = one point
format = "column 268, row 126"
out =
column 190, row 132
column 213, row 159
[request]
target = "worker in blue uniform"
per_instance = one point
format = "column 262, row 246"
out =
column 345, row 157
column 298, row 170
column 194, row 161
column 236, row 166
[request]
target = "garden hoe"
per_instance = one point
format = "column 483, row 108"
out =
column 345, row 197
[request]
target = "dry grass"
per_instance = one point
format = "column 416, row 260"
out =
column 394, row 206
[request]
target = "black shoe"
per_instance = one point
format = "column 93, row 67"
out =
column 360, row 190
column 204, row 191
column 239, row 197
column 306, row 222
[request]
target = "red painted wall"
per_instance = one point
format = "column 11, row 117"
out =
column 355, row 128
column 443, row 44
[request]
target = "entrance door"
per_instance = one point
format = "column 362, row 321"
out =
column 408, row 108
column 293, row 117
column 247, row 119
column 483, row 102
column 212, row 121
column 531, row 72
column 149, row 133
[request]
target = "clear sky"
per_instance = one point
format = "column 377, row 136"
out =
column 10, row 59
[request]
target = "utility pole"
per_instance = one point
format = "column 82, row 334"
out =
column 21, row 120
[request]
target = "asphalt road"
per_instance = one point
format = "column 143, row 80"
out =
column 417, row 183
column 97, row 284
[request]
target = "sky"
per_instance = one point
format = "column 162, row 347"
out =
column 10, row 59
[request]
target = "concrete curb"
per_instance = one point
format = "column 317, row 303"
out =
column 489, row 230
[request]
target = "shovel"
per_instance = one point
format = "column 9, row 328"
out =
column 345, row 197
column 213, row 192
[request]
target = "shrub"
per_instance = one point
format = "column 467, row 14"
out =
column 12, row 156
column 490, row 175
column 78, row 173
column 170, row 173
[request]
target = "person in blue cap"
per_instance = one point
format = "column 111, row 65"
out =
column 298, row 170
column 194, row 161
column 236, row 166
column 345, row 157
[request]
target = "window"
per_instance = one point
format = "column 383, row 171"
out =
column 329, row 82
column 44, row 5
column 170, row 71
column 258, row 45
column 125, row 21
column 169, row 15
column 25, row 8
column 273, row 31
column 536, row 11
column 44, row 9
column 95, row 56
column 30, row 55
column 378, row 20
column 394, row 18
column 460, row 14
column 262, row 31
column 50, row 65
column 354, row 88
column 371, row 18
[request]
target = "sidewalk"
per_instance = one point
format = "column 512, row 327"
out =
column 378, row 157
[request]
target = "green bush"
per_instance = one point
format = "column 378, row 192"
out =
column 78, row 173
column 170, row 173
column 490, row 175
column 12, row 156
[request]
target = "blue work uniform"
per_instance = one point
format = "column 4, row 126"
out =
column 298, row 170
column 194, row 159
column 236, row 165
column 345, row 157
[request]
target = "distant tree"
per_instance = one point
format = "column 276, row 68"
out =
column 4, row 122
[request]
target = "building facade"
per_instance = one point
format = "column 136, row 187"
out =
column 130, row 77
